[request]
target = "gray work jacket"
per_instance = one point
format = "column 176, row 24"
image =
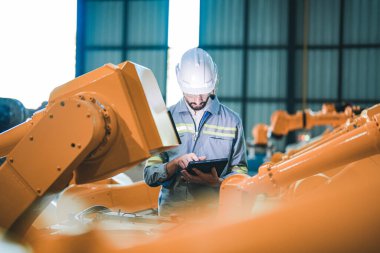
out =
column 220, row 135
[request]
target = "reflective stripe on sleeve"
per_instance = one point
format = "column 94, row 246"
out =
column 153, row 160
column 240, row 169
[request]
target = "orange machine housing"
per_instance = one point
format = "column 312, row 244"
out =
column 339, row 214
column 282, row 122
column 95, row 126
column 345, row 146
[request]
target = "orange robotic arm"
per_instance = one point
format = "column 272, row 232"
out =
column 260, row 135
column 96, row 126
column 358, row 140
column 282, row 122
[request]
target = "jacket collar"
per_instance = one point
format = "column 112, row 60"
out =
column 213, row 108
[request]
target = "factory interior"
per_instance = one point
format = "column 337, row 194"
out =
column 90, row 126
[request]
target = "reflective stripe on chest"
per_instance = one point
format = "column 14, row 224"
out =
column 185, row 128
column 219, row 130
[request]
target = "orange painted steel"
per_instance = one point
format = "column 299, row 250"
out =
column 339, row 217
column 260, row 134
column 333, row 213
column 11, row 137
column 128, row 198
column 350, row 124
column 94, row 127
column 358, row 143
column 282, row 122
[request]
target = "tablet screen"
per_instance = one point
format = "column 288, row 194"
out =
column 206, row 165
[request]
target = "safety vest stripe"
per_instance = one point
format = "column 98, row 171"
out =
column 233, row 129
column 181, row 128
column 153, row 160
column 185, row 128
column 240, row 169
column 186, row 131
column 218, row 133
column 184, row 124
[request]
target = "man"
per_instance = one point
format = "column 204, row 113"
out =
column 208, row 130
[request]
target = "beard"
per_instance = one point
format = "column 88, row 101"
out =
column 197, row 107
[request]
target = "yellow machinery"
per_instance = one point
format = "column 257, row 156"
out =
column 94, row 127
column 282, row 209
column 282, row 123
column 357, row 140
column 261, row 213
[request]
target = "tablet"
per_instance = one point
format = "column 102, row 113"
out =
column 206, row 165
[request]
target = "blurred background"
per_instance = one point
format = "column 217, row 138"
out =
column 271, row 54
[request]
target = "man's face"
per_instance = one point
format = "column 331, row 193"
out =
column 197, row 102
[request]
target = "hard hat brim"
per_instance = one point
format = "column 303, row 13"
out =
column 197, row 91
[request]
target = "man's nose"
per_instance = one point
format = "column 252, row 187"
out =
column 198, row 99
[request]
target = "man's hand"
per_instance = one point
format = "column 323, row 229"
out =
column 181, row 162
column 202, row 178
column 184, row 160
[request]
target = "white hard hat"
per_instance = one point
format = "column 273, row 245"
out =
column 196, row 73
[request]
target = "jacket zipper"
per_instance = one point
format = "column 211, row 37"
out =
column 196, row 136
